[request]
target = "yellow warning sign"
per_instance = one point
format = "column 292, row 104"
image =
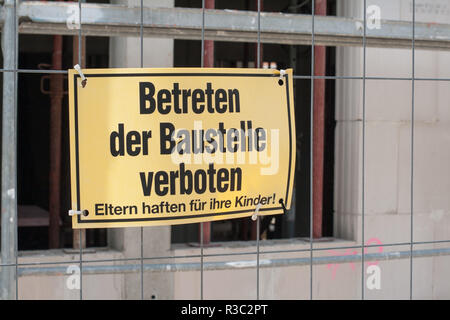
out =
column 182, row 145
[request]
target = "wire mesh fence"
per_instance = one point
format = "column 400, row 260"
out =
column 12, row 269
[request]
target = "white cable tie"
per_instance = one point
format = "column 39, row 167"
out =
column 256, row 213
column 78, row 212
column 83, row 78
column 282, row 74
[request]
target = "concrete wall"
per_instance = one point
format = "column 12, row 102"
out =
column 330, row 281
column 60, row 285
column 236, row 277
column 388, row 106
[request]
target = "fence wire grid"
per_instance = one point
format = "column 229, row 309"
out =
column 9, row 239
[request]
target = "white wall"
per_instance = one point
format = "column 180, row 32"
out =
column 388, row 106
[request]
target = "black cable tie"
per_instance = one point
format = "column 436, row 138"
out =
column 282, row 204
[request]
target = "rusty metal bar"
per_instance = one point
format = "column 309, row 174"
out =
column 319, row 60
column 56, row 96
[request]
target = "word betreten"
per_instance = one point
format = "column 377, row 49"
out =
column 180, row 101
column 185, row 181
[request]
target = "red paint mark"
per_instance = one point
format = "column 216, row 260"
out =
column 349, row 252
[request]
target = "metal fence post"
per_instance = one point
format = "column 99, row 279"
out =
column 9, row 181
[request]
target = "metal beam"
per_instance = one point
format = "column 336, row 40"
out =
column 243, row 264
column 9, row 168
column 224, row 25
